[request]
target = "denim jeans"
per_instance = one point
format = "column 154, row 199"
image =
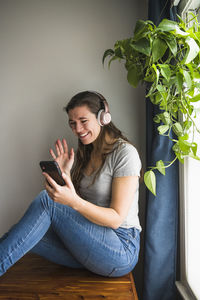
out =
column 62, row 235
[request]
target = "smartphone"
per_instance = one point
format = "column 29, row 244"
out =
column 52, row 168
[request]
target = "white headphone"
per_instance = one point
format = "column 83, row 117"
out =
column 104, row 116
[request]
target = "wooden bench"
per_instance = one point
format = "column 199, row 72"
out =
column 36, row 278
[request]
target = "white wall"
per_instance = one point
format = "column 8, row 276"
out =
column 50, row 50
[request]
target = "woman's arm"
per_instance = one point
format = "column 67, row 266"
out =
column 123, row 190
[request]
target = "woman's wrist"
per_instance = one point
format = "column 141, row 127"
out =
column 67, row 172
column 78, row 203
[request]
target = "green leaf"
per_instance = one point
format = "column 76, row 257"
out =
column 150, row 181
column 176, row 147
column 185, row 147
column 183, row 138
column 177, row 128
column 167, row 25
column 162, row 129
column 179, row 81
column 194, row 148
column 172, row 44
column 181, row 22
column 195, row 74
column 180, row 157
column 197, row 85
column 166, row 118
column 195, row 98
column 172, row 81
column 157, row 98
column 194, row 156
column 163, row 103
column 133, row 76
column 158, row 49
column 180, row 32
column 151, row 90
column 119, row 51
column 150, row 77
column 157, row 119
column 141, row 28
column 160, row 88
column 192, row 51
column 142, row 46
column 160, row 166
column 156, row 72
column 187, row 124
column 188, row 147
column 108, row 52
column 165, row 71
column 112, row 59
column 187, row 78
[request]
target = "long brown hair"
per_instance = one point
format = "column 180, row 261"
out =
column 94, row 101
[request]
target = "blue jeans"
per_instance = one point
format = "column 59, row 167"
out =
column 62, row 235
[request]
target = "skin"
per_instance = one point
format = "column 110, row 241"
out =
column 85, row 126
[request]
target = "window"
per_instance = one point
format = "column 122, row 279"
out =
column 189, row 284
column 193, row 224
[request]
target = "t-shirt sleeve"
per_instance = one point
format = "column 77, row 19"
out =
column 126, row 161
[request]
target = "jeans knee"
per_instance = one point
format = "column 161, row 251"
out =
column 43, row 194
column 43, row 199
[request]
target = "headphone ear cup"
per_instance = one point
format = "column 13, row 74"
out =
column 99, row 116
column 103, row 118
column 106, row 118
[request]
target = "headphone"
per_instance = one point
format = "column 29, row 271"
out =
column 104, row 116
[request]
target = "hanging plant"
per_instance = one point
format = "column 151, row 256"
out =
column 167, row 57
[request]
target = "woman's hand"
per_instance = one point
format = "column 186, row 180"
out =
column 62, row 194
column 64, row 158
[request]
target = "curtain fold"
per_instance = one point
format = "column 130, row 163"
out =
column 162, row 210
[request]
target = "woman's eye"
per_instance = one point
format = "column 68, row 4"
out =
column 83, row 121
column 71, row 124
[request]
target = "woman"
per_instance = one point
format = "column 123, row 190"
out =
column 92, row 221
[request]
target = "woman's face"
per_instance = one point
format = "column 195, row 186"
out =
column 84, row 124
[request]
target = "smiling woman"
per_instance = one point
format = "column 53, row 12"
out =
column 98, row 205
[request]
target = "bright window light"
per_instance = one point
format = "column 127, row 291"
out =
column 189, row 284
column 192, row 211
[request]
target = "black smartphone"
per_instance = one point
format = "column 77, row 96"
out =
column 52, row 168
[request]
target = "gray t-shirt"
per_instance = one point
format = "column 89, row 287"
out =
column 123, row 161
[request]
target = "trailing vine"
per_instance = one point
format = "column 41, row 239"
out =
column 167, row 58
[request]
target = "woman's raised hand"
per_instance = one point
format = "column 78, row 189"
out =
column 64, row 157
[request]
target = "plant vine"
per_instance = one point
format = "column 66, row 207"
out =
column 166, row 58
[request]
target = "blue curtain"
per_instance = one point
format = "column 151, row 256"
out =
column 161, row 211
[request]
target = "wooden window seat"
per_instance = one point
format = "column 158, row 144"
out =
column 34, row 278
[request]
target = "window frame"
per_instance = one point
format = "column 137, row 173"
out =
column 183, row 285
column 184, row 6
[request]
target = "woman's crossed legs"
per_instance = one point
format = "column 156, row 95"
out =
column 62, row 235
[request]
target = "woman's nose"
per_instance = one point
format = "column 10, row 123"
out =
column 79, row 127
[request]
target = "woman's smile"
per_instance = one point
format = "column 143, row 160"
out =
column 83, row 136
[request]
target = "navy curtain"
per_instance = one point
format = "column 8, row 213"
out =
column 162, row 210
